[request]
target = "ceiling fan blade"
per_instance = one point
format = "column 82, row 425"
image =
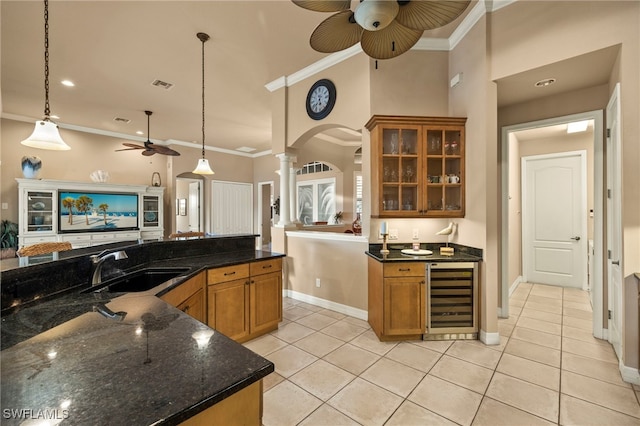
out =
column 127, row 149
column 427, row 15
column 323, row 5
column 389, row 42
column 148, row 152
column 336, row 33
column 161, row 149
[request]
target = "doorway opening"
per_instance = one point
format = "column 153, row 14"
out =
column 189, row 203
column 265, row 214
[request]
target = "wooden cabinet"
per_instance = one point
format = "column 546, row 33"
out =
column 397, row 299
column 245, row 301
column 418, row 167
column 189, row 297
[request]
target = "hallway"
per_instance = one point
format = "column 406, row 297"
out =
column 332, row 370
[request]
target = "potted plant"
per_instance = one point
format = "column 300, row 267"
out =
column 337, row 218
column 8, row 239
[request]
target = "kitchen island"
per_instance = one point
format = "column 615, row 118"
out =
column 81, row 357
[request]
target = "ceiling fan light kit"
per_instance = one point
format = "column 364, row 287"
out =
column 46, row 134
column 384, row 28
column 203, row 168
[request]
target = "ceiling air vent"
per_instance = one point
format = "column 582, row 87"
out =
column 122, row 120
column 162, row 84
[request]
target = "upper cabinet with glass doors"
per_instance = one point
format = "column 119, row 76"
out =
column 417, row 166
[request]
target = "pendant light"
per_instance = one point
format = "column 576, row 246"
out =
column 46, row 134
column 203, row 167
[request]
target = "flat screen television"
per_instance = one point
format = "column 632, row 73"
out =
column 82, row 211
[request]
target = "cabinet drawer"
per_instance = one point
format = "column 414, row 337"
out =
column 408, row 269
column 102, row 237
column 227, row 273
column 266, row 266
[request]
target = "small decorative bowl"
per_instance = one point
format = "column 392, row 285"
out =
column 99, row 176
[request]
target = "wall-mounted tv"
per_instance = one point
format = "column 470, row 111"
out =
column 82, row 211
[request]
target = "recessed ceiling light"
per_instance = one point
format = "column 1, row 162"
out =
column 68, row 83
column 577, row 126
column 139, row 132
column 546, row 82
column 245, row 149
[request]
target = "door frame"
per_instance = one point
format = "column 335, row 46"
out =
column 261, row 211
column 527, row 254
column 598, row 199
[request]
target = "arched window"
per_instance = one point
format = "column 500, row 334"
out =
column 316, row 196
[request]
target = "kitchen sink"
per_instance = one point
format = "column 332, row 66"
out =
column 140, row 280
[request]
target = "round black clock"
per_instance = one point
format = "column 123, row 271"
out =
column 321, row 99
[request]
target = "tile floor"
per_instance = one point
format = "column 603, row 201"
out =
column 548, row 369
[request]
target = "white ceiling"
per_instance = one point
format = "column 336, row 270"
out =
column 113, row 50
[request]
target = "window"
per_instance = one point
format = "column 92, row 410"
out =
column 358, row 193
column 316, row 200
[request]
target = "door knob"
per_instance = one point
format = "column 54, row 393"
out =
column 575, row 238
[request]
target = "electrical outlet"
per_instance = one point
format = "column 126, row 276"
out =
column 416, row 234
column 5, row 206
column 393, row 234
column 317, row 282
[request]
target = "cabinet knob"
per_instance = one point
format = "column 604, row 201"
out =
column 246, row 282
column 185, row 309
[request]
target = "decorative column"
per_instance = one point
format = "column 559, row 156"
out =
column 285, row 209
column 293, row 195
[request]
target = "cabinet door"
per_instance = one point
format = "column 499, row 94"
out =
column 266, row 302
column 404, row 303
column 228, row 311
column 40, row 213
column 444, row 168
column 195, row 306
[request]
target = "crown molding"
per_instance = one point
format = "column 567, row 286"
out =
column 467, row 24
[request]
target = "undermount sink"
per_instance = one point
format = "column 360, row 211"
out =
column 141, row 280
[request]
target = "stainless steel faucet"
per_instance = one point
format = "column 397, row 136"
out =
column 99, row 259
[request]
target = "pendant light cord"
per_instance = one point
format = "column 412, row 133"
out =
column 47, row 111
column 203, row 40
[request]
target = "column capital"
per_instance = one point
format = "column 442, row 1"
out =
column 285, row 156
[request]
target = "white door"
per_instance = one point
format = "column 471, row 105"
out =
column 232, row 208
column 614, row 221
column 195, row 218
column 554, row 219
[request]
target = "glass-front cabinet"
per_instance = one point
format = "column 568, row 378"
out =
column 418, row 165
column 40, row 212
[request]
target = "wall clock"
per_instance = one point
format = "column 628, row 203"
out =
column 321, row 99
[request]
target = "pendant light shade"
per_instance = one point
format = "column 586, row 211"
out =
column 203, row 167
column 46, row 134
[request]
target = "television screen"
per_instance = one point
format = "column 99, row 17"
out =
column 81, row 211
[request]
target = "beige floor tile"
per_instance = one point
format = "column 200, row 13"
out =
column 287, row 404
column 322, row 379
column 358, row 322
column 288, row 302
column 316, row 321
column 309, row 306
column 332, row 314
column 596, row 369
column 365, row 402
column 289, row 360
column 435, row 345
column 266, row 344
column 414, row 356
column 369, row 341
column 519, row 295
column 584, row 324
column 539, row 325
column 327, row 415
column 576, row 412
column 577, row 305
column 319, row 344
column 352, row 358
column 549, row 301
column 577, row 296
column 412, row 414
column 495, row 413
column 271, row 380
column 546, row 291
column 517, row 302
column 578, row 313
column 462, row 373
column 393, row 376
column 533, row 352
column 530, row 371
column 499, row 347
column 541, row 315
column 295, row 313
column 505, row 329
column 343, row 330
column 446, row 399
column 531, row 398
column 292, row 332
column 614, row 397
column 538, row 337
column 511, row 320
column 590, row 350
column 584, row 335
column 544, row 307
column 476, row 354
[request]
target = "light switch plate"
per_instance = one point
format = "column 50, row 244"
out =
column 393, row 234
column 416, row 234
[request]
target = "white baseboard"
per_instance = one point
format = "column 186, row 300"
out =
column 515, row 285
column 327, row 304
column 629, row 374
column 489, row 338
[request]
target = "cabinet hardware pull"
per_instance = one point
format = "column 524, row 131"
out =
column 186, row 309
column 266, row 266
column 229, row 273
column 404, row 269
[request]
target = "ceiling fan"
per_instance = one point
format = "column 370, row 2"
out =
column 149, row 147
column 384, row 28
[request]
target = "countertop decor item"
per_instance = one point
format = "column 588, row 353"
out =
column 31, row 166
column 99, row 176
column 356, row 226
column 203, row 167
column 45, row 134
column 155, row 179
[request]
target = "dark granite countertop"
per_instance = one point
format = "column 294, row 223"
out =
column 155, row 366
column 461, row 253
